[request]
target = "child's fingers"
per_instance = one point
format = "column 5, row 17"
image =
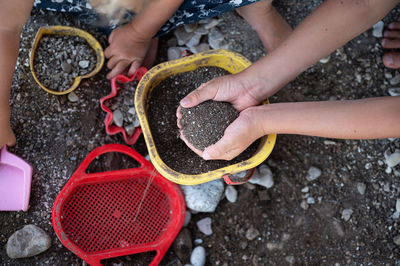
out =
column 391, row 34
column 134, row 66
column 119, row 68
column 394, row 26
column 391, row 60
column 390, row 44
column 178, row 117
column 206, row 91
column 112, row 62
column 195, row 150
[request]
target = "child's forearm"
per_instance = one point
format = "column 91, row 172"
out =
column 329, row 27
column 356, row 119
column 13, row 16
column 155, row 13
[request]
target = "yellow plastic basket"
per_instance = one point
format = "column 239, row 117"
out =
column 65, row 30
column 231, row 62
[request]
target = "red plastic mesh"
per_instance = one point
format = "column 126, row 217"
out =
column 100, row 217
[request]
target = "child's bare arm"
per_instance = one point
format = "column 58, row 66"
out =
column 329, row 27
column 130, row 43
column 357, row 119
column 13, row 15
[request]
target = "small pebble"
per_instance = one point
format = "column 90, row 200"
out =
column 198, row 257
column 304, row 205
column 361, row 188
column 72, row 97
column 84, row 63
column 398, row 205
column 231, row 194
column 198, row 241
column 118, row 118
column 313, row 173
column 325, row 59
column 310, row 200
column 252, row 233
column 263, row 176
column 377, row 29
column 305, row 189
column 395, row 80
column 394, row 91
column 183, row 245
column 67, row 68
column 204, row 226
column 346, row 214
column 188, row 217
column 392, row 159
column 396, row 240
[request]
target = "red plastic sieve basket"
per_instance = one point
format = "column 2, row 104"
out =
column 103, row 215
column 115, row 87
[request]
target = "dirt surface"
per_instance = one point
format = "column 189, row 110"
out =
column 54, row 135
column 161, row 114
column 205, row 124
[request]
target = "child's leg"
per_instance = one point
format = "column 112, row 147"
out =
column 270, row 26
column 391, row 40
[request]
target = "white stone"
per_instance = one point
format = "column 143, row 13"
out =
column 329, row 142
column 194, row 41
column 132, row 111
column 198, row 257
column 231, row 194
column 263, row 176
column 202, row 47
column 204, row 197
column 190, row 27
column 188, row 217
column 398, row 205
column 392, row 159
column 310, row 200
column 118, row 118
column 346, row 214
column 215, row 37
column 361, row 188
column 394, row 91
column 304, row 205
column 72, row 97
column 325, row 59
column 174, row 53
column 29, row 241
column 377, row 29
column 204, row 226
column 305, row 189
column 182, row 36
column 313, row 173
column 212, row 23
column 198, row 241
column 395, row 80
column 129, row 129
column 136, row 122
column 84, row 63
column 396, row 240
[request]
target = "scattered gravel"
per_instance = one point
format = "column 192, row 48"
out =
column 59, row 59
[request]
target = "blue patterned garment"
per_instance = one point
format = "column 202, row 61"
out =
column 189, row 12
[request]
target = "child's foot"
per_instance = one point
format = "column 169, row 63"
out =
column 391, row 40
column 270, row 26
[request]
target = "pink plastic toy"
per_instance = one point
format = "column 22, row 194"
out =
column 15, row 182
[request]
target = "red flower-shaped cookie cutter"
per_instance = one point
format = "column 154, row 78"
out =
column 115, row 86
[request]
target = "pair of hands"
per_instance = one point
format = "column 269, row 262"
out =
column 239, row 90
column 129, row 49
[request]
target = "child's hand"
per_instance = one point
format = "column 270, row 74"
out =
column 6, row 134
column 241, row 90
column 126, row 51
column 237, row 137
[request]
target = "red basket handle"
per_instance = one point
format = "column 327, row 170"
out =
column 112, row 148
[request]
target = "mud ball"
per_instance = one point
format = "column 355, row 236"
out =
column 205, row 124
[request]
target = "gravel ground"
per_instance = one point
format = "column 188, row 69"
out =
column 279, row 226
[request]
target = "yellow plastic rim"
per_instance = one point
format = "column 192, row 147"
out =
column 65, row 30
column 230, row 61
